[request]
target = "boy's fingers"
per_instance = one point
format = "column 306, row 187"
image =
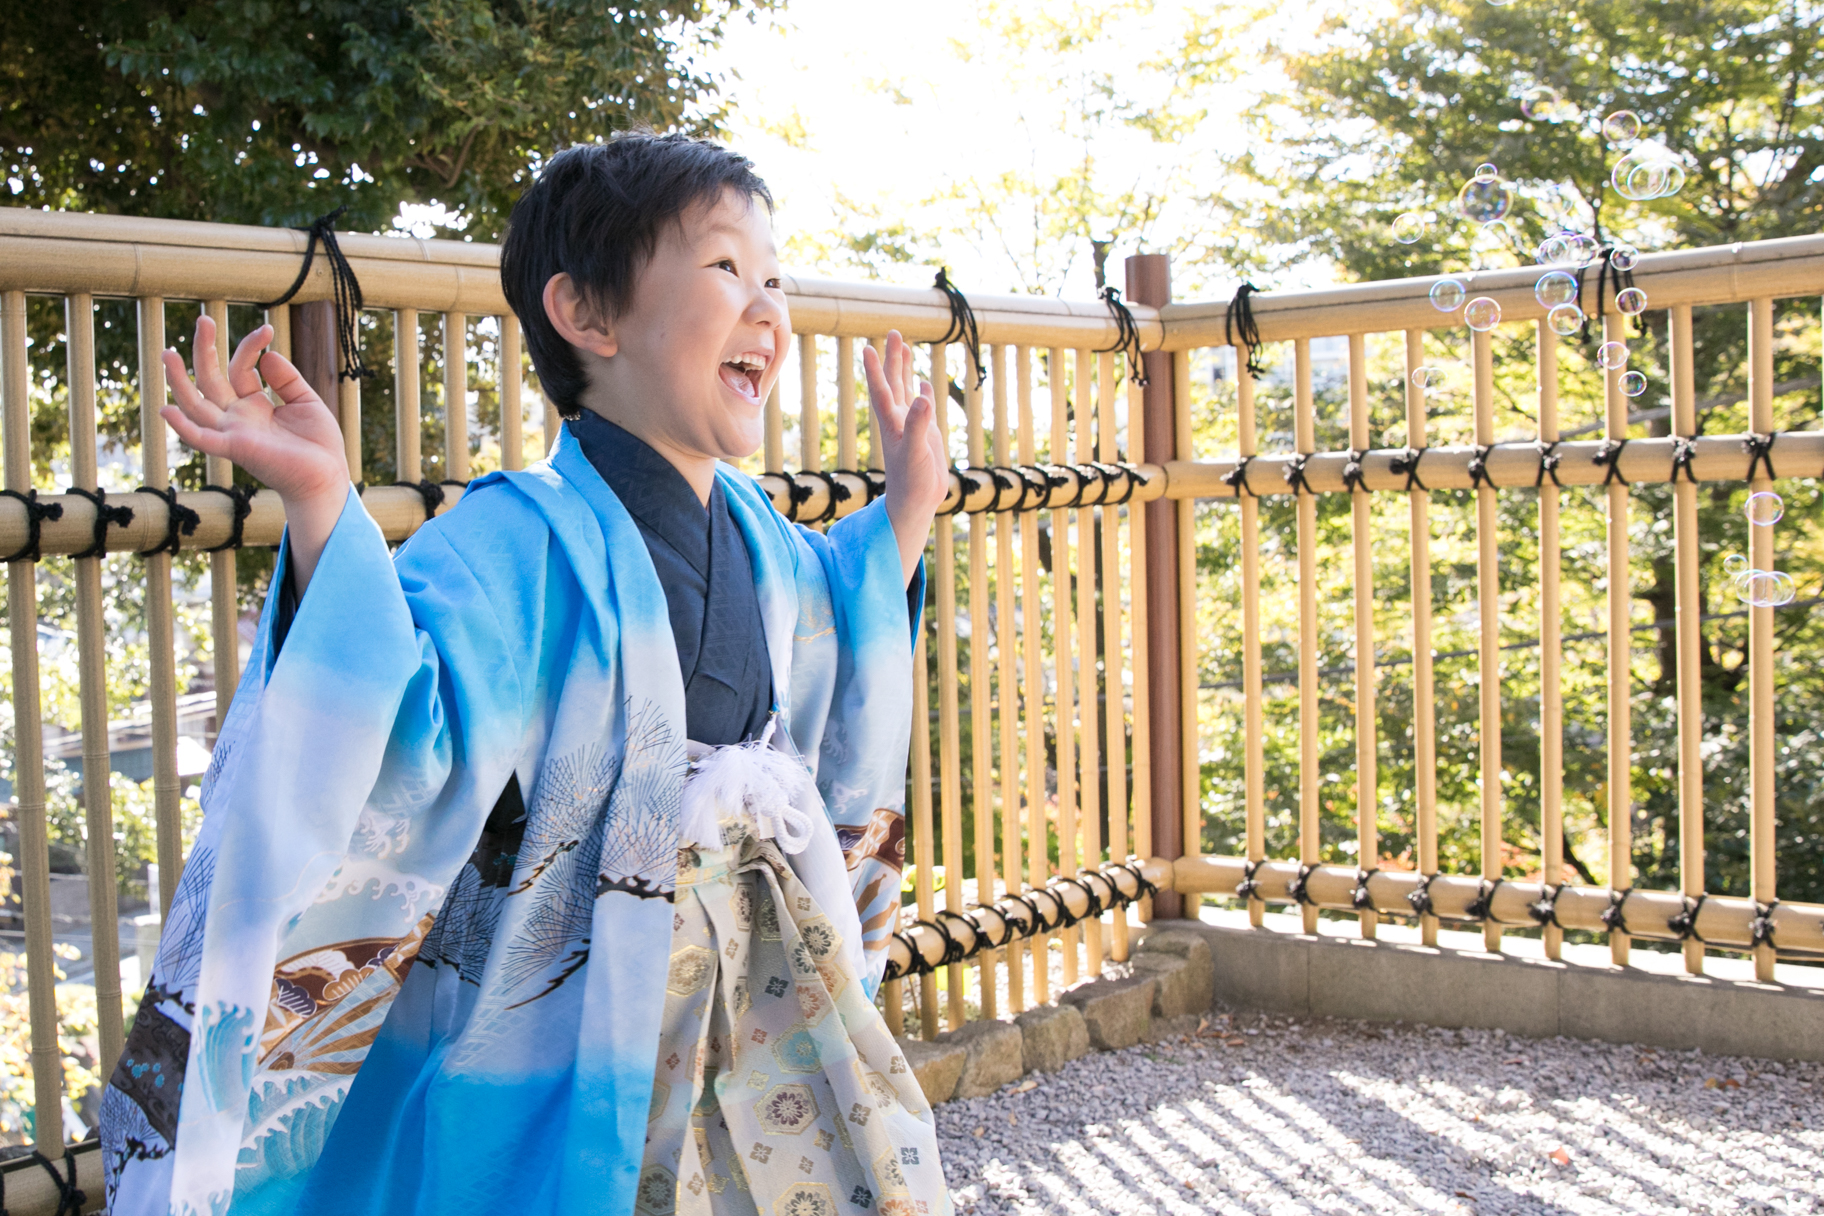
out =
column 880, row 393
column 286, row 380
column 208, row 442
column 194, row 405
column 206, row 364
column 243, row 373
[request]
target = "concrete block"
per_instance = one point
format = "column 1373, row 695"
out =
column 938, row 1066
column 1052, row 1036
column 1385, row 982
column 1718, row 1016
column 1180, row 961
column 1117, row 1012
column 1256, row 969
column 995, row 1056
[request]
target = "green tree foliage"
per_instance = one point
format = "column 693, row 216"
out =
column 265, row 113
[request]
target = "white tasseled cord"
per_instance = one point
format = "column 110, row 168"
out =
column 751, row 781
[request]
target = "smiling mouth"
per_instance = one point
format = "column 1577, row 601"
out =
column 743, row 374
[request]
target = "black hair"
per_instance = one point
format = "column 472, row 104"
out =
column 596, row 212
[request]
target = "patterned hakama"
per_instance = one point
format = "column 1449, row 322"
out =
column 778, row 1088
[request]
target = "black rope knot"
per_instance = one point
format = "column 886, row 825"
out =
column 1249, row 886
column 1549, row 460
column 346, row 289
column 1478, row 467
column 954, row 950
column 1684, row 451
column 802, row 492
column 242, row 498
column 1359, row 896
column 35, row 514
column 962, row 326
column 1544, row 910
column 1481, row 907
column 1299, row 887
column 1760, row 929
column 70, row 1197
column 104, row 515
column 429, row 491
column 1614, row 917
column 1420, row 897
column 1237, row 479
column 1295, row 474
column 1760, row 452
column 1127, row 335
column 1684, row 924
column 1608, row 279
column 179, row 519
column 1352, row 471
column 1610, row 454
column 1406, row 465
column 1240, row 319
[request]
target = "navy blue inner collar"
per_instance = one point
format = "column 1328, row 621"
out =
column 649, row 486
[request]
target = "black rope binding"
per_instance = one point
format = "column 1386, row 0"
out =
column 1420, row 898
column 429, row 492
column 1760, row 929
column 1549, row 460
column 1614, row 917
column 1127, row 335
column 1352, row 471
column 1607, row 278
column 1760, row 452
column 104, row 515
column 1299, row 887
column 1478, row 467
column 1295, row 474
column 1240, row 319
column 35, row 514
column 1359, row 896
column 70, row 1198
column 962, row 326
column 1237, row 479
column 838, row 493
column 179, row 519
column 1544, row 910
column 1610, row 454
column 1684, row 925
column 242, row 498
column 1482, row 906
column 954, row 950
column 346, row 289
column 1406, row 465
column 1684, row 451
column 1249, row 886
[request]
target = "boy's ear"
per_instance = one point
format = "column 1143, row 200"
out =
column 576, row 320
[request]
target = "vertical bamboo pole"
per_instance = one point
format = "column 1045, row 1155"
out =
column 1305, row 439
column 28, row 746
column 1687, row 564
column 1254, row 728
column 845, row 403
column 1620, row 767
column 1089, row 750
column 455, row 397
column 224, row 615
column 1038, row 856
column 1488, row 608
column 408, row 437
column 1114, row 680
column 1424, row 717
column 1007, row 697
column 1762, row 745
column 981, row 713
column 91, row 651
column 512, row 412
column 949, row 733
column 161, row 648
column 1361, row 542
column 1142, row 646
column 1190, row 738
column 1061, row 644
column 810, row 421
column 1551, row 656
column 924, row 838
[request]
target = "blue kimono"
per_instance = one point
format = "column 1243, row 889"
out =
column 431, row 936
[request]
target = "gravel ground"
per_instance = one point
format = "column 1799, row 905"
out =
column 1271, row 1116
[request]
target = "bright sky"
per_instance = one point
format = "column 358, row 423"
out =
column 890, row 105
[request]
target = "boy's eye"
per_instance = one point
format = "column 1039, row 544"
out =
column 727, row 264
column 772, row 284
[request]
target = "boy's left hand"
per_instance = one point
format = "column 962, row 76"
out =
column 911, row 436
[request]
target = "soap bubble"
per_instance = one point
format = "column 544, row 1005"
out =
column 1554, row 289
column 1764, row 508
column 1766, row 588
column 1565, row 320
column 1428, row 377
column 1409, row 226
column 1633, row 384
column 1648, row 172
column 1623, row 257
column 1583, row 248
column 1447, row 295
column 1611, row 355
column 1735, row 564
column 1486, row 172
column 1483, row 200
column 1621, row 128
column 1482, row 314
column 1555, row 250
column 1630, row 301
column 1543, row 104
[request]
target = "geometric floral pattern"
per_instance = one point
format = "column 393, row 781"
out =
column 786, row 1110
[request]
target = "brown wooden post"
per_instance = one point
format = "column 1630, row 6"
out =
column 313, row 346
column 1149, row 281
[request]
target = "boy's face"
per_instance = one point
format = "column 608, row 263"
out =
column 699, row 349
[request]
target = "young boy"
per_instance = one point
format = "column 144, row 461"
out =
column 513, row 893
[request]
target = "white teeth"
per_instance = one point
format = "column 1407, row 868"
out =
column 750, row 363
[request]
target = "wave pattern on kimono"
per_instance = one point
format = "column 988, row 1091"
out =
column 416, row 960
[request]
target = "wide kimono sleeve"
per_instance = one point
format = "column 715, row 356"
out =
column 348, row 785
column 862, row 728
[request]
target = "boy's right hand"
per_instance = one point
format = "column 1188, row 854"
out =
column 294, row 447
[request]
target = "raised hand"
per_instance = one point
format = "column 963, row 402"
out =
column 915, row 449
column 294, row 447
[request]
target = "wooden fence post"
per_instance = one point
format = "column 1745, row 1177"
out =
column 313, row 348
column 1149, row 281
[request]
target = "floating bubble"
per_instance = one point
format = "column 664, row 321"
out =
column 1766, row 588
column 1554, row 289
column 1483, row 200
column 1633, row 384
column 1631, row 301
column 1782, row 589
column 1481, row 314
column 1555, row 250
column 1764, row 508
column 1583, row 248
column 1543, row 104
column 1447, row 295
column 1565, row 320
column 1648, row 172
column 1611, row 355
column 1623, row 257
column 1621, row 128
column 1735, row 564
column 1486, row 172
column 1742, row 580
column 1428, row 377
column 1409, row 226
